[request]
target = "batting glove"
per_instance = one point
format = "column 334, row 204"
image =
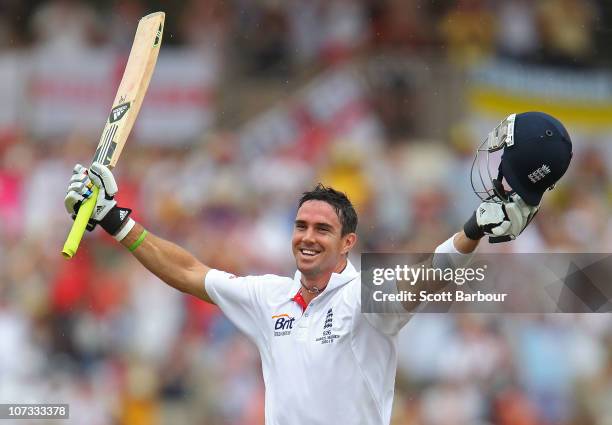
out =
column 106, row 212
column 502, row 222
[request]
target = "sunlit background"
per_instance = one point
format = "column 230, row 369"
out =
column 253, row 102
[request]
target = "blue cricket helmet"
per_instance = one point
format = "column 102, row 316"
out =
column 539, row 157
column 537, row 151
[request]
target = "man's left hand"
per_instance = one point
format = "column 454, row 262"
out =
column 503, row 222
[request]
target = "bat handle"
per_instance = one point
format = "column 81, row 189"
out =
column 80, row 224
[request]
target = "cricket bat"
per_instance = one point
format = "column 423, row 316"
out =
column 133, row 86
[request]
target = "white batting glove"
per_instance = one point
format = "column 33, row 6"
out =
column 80, row 188
column 106, row 212
column 502, row 222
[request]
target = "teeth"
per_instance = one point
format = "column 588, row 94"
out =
column 308, row 252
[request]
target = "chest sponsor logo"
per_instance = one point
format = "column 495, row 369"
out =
column 328, row 337
column 283, row 324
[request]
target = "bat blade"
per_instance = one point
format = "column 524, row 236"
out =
column 131, row 92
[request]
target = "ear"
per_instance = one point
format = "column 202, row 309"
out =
column 348, row 242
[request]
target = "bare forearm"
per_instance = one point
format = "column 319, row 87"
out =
column 464, row 244
column 168, row 261
column 455, row 255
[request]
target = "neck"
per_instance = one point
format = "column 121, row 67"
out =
column 313, row 286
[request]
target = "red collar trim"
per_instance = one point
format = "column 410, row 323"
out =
column 299, row 299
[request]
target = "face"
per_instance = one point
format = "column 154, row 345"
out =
column 318, row 247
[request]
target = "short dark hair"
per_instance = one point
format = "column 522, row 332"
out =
column 340, row 203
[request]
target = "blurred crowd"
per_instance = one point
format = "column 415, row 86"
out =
column 560, row 32
column 101, row 333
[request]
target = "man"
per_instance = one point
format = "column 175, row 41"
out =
column 323, row 360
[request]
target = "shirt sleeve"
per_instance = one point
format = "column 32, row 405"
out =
column 239, row 298
column 391, row 319
column 394, row 317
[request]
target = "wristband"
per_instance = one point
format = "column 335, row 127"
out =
column 125, row 230
column 447, row 255
column 472, row 230
column 115, row 219
column 138, row 241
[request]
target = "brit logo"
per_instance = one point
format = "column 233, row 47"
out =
column 327, row 337
column 283, row 324
column 539, row 173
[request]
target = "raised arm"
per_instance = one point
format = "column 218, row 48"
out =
column 537, row 151
column 168, row 261
column 489, row 219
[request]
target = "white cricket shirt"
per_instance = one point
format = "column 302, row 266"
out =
column 329, row 364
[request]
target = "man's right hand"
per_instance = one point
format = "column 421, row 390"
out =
column 106, row 212
column 171, row 263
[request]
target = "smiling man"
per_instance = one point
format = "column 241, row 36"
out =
column 323, row 235
column 323, row 361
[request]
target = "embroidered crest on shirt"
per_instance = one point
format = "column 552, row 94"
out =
column 328, row 337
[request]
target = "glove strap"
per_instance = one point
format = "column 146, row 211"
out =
column 472, row 230
column 115, row 219
column 500, row 239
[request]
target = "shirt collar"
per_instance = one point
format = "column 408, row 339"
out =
column 337, row 279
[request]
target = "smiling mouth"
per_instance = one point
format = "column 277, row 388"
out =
column 309, row 252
